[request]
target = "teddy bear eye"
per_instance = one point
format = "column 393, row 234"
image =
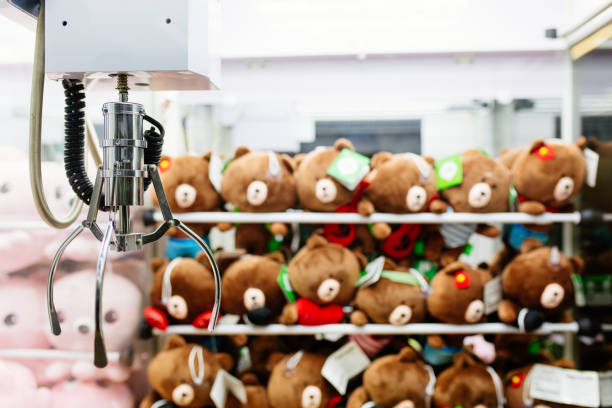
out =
column 60, row 316
column 111, row 316
column 10, row 319
column 5, row 188
column 493, row 185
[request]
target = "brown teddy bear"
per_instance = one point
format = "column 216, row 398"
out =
column 402, row 184
column 537, row 285
column 391, row 300
column 182, row 292
column 250, row 288
column 484, row 188
column 468, row 384
column 318, row 191
column 188, row 189
column 257, row 181
column 324, row 276
column 296, row 382
column 396, row 381
column 182, row 375
column 547, row 175
column 517, row 387
column 455, row 297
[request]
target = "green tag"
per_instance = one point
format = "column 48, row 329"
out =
column 285, row 285
column 598, row 289
column 468, row 248
column 512, row 198
column 401, row 277
column 419, row 248
column 415, row 345
column 274, row 244
column 349, row 168
column 425, row 268
column 449, row 172
column 534, row 347
column 578, row 290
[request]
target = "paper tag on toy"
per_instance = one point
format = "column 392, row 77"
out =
column 244, row 360
column 579, row 296
column 598, row 289
column 492, row 294
column 229, row 319
column 372, row 273
column 564, row 386
column 224, row 383
column 215, row 171
column 344, row 364
column 605, row 389
column 591, row 158
column 285, row 285
column 425, row 268
column 349, row 168
column 449, row 172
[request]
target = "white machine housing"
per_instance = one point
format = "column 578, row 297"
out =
column 161, row 44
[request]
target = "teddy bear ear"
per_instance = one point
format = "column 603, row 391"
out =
column 175, row 341
column 316, row 241
column 288, row 162
column 249, row 379
column 363, row 261
column 564, row 363
column 343, row 143
column 453, row 267
column 536, row 143
column 407, row 354
column 530, row 244
column 207, row 155
column 298, row 159
column 155, row 264
column 463, row 359
column 581, row 143
column 226, row 258
column 390, row 265
column 225, row 360
column 380, row 158
column 273, row 359
column 276, row 256
column 577, row 264
column 593, row 143
column 430, row 160
column 241, row 151
column 203, row 259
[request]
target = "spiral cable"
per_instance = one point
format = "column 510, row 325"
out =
column 155, row 142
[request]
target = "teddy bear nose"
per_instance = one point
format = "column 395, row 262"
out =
column 83, row 329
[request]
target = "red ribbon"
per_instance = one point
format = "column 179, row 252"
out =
column 344, row 234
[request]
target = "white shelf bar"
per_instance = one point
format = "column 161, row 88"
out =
column 374, row 329
column 303, row 217
column 49, row 354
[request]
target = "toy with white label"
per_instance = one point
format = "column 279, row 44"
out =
column 258, row 181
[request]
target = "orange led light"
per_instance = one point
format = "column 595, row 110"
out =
column 164, row 165
column 517, row 380
column 545, row 152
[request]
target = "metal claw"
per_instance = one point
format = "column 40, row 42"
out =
column 100, row 359
column 215, row 269
column 55, row 324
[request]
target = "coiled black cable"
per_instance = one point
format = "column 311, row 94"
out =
column 74, row 142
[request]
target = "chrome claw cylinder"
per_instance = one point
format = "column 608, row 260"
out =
column 123, row 148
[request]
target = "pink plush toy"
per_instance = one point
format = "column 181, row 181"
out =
column 21, row 248
column 76, row 394
column 18, row 387
column 74, row 303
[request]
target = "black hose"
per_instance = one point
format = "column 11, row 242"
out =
column 74, row 142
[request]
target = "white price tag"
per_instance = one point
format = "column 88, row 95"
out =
column 224, row 383
column 592, row 162
column 605, row 389
column 564, row 386
column 492, row 294
column 228, row 319
column 215, row 171
column 373, row 270
column 343, row 364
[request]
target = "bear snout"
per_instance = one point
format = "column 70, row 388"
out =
column 183, row 395
column 185, row 195
column 253, row 298
column 328, row 290
column 564, row 188
column 400, row 315
column 404, row 404
column 311, row 397
column 177, row 307
column 257, row 192
column 83, row 326
column 552, row 295
column 325, row 190
column 474, row 311
column 479, row 195
column 415, row 199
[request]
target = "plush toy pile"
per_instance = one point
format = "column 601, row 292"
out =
column 367, row 274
